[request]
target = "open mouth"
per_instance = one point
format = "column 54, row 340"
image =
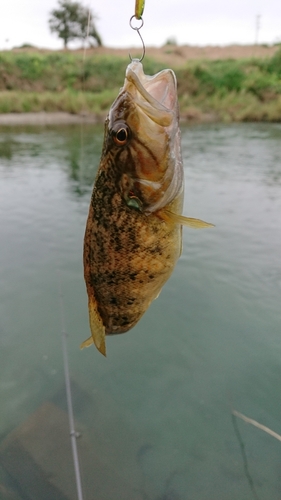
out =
column 156, row 95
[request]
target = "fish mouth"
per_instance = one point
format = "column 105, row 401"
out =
column 155, row 95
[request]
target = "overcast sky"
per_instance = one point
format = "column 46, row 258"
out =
column 194, row 22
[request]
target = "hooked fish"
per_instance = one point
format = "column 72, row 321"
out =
column 133, row 235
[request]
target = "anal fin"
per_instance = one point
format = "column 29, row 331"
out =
column 97, row 329
column 181, row 219
column 87, row 343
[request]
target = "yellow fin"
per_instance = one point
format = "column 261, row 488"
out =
column 181, row 219
column 97, row 329
column 87, row 343
column 158, row 294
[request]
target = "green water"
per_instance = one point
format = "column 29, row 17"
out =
column 156, row 412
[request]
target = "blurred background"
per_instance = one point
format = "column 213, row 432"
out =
column 202, row 22
column 153, row 420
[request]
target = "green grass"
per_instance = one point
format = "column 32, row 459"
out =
column 57, row 71
column 14, row 101
column 227, row 90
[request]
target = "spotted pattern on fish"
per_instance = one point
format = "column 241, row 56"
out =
column 129, row 259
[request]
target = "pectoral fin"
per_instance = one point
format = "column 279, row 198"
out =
column 97, row 329
column 181, row 219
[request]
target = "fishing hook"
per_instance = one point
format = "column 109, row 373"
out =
column 137, row 28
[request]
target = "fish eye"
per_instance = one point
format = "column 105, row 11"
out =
column 120, row 133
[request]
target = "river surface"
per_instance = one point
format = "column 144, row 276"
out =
column 155, row 416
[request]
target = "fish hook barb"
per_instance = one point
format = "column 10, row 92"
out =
column 137, row 28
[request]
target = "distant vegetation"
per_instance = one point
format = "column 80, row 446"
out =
column 72, row 21
column 227, row 90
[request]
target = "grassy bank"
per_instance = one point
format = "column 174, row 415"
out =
column 226, row 90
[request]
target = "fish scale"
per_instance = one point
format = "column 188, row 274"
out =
column 127, row 257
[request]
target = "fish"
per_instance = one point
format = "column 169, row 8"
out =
column 133, row 235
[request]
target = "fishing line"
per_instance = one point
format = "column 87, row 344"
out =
column 73, row 433
column 86, row 39
column 81, row 166
column 244, row 457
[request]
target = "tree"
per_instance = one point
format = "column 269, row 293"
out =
column 73, row 21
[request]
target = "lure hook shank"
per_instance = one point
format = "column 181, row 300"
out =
column 137, row 28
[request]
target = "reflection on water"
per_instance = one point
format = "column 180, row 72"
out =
column 155, row 416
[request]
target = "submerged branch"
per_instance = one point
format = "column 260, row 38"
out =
column 256, row 424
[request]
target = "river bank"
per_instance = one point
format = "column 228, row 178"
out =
column 171, row 54
column 42, row 118
column 227, row 84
